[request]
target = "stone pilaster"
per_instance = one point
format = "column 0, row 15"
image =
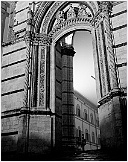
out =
column 43, row 41
column 24, row 118
column 68, row 118
column 107, row 59
column 110, row 105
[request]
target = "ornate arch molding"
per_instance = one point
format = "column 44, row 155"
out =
column 53, row 8
column 102, row 43
column 70, row 25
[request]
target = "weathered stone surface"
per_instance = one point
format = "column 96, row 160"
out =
column 12, row 101
column 12, row 85
column 14, row 57
column 58, row 90
column 14, row 70
column 20, row 27
column 122, row 18
column 67, row 86
column 9, row 143
column 9, row 124
column 58, row 110
column 13, row 47
column 21, row 16
column 67, row 74
column 58, row 74
column 120, row 36
column 40, row 133
column 58, row 59
column 123, row 76
column 67, row 98
column 120, row 7
column 45, row 131
column 21, row 5
column 121, row 54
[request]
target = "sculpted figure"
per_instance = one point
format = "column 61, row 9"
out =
column 60, row 17
column 82, row 11
column 71, row 12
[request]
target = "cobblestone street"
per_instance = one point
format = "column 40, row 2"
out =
column 95, row 155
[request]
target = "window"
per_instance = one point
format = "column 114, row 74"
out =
column 78, row 110
column 85, row 115
column 79, row 134
column 91, row 117
column 93, row 137
column 86, row 135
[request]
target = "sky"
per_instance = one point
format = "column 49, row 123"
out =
column 83, row 66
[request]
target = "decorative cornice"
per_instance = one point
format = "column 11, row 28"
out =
column 109, row 96
column 68, row 23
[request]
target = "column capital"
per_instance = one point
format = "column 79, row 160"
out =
column 68, row 50
column 42, row 39
column 105, row 8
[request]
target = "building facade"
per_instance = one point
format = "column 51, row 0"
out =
column 86, row 122
column 37, row 100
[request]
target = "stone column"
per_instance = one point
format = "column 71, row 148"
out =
column 106, row 58
column 110, row 113
column 68, row 118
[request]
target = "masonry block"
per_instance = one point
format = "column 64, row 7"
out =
column 19, row 27
column 67, row 86
column 123, row 76
column 21, row 16
column 40, row 133
column 13, row 47
column 121, row 54
column 14, row 70
column 120, row 7
column 68, row 109
column 122, row 18
column 12, row 101
column 58, row 74
column 14, row 57
column 67, row 74
column 67, row 98
column 22, row 5
column 12, row 85
column 120, row 36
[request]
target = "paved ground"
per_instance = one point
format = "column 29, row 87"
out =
column 93, row 155
column 96, row 155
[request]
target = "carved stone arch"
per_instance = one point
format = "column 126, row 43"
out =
column 46, row 11
column 46, row 17
column 71, row 28
column 102, row 49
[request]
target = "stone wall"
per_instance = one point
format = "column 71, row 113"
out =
column 112, row 111
column 13, row 76
column 119, row 27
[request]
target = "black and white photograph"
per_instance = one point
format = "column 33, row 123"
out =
column 63, row 80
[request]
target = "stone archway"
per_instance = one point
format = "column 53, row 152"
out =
column 107, row 86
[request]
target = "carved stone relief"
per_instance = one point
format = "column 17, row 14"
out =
column 71, row 12
column 82, row 19
column 42, row 78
